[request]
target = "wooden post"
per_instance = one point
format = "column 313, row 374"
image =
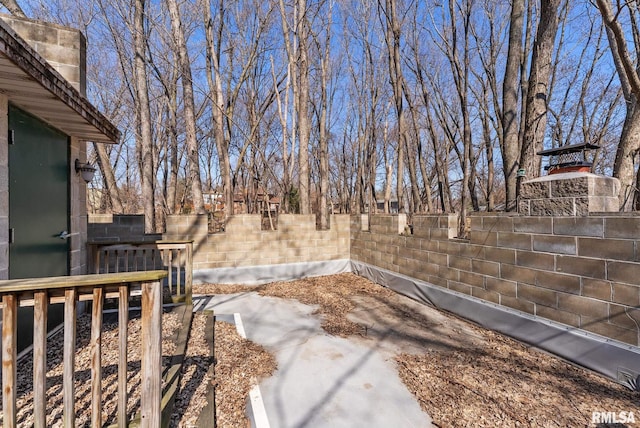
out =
column 123, row 321
column 96, row 360
column 40, row 309
column 96, row 258
column 169, row 270
column 9, row 355
column 151, row 354
column 68, row 375
column 188, row 273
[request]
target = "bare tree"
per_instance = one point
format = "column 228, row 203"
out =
column 112, row 193
column 325, row 63
column 624, row 164
column 189, row 106
column 143, row 117
column 396, row 78
column 455, row 47
column 214, row 78
column 13, row 7
column 536, row 107
column 510, row 94
column 302, row 98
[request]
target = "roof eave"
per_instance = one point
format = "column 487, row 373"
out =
column 37, row 88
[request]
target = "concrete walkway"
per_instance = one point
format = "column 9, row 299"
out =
column 322, row 380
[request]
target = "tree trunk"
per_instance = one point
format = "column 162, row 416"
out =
column 624, row 164
column 193, row 158
column 214, row 79
column 324, row 134
column 173, row 149
column 110, row 184
column 537, row 91
column 304, row 123
column 510, row 90
column 145, row 145
column 392, row 38
column 13, row 8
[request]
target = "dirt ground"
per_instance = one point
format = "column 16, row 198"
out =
column 461, row 374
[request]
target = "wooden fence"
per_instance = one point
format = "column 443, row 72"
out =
column 174, row 256
column 40, row 293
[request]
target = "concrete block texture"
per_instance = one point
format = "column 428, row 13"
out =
column 597, row 289
column 568, row 270
column 519, row 241
column 579, row 226
column 555, row 244
column 538, row 295
column 612, row 249
column 586, row 306
column 62, row 47
column 541, row 225
column 610, row 330
column 569, row 194
column 582, row 266
column 625, row 272
column 558, row 315
column 622, row 227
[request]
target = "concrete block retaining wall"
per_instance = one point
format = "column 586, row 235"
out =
column 583, row 272
column 243, row 243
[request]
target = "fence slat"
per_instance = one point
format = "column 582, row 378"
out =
column 96, row 360
column 68, row 378
column 188, row 273
column 179, row 255
column 96, row 259
column 123, row 321
column 42, row 292
column 40, row 309
column 9, row 371
column 174, row 256
column 170, row 270
column 106, row 261
column 151, row 354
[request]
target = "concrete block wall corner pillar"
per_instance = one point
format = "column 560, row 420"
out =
column 452, row 225
column 401, row 220
column 364, row 222
column 77, row 207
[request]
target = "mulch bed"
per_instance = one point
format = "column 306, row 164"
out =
column 490, row 381
column 110, row 359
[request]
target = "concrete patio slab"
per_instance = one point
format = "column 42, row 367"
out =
column 322, row 380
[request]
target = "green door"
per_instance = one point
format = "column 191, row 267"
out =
column 38, row 209
column 38, row 198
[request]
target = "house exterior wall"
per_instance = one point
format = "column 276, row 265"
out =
column 580, row 271
column 64, row 48
column 77, row 203
column 77, row 211
column 4, row 187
